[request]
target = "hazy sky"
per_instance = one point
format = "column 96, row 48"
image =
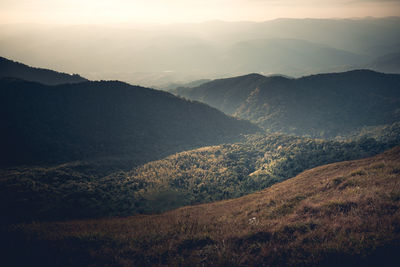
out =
column 169, row 11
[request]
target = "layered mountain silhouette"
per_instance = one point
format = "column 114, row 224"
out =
column 323, row 105
column 9, row 68
column 103, row 119
column 159, row 55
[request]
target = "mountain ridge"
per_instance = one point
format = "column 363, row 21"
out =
column 10, row 68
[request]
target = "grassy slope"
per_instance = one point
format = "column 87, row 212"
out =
column 338, row 214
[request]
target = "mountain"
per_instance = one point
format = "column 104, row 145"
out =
column 9, row 68
column 323, row 105
column 342, row 214
column 52, row 124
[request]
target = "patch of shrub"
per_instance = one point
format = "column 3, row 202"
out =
column 358, row 172
column 334, row 208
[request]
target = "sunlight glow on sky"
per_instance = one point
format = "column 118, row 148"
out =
column 170, row 11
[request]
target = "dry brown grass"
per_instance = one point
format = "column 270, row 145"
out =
column 340, row 213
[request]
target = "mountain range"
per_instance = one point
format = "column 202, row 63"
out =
column 157, row 55
column 99, row 172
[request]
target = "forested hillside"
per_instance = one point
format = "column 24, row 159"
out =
column 87, row 189
column 323, row 105
column 9, row 68
column 55, row 124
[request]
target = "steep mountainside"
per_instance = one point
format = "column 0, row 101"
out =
column 44, row 124
column 9, row 68
column 324, row 105
column 342, row 214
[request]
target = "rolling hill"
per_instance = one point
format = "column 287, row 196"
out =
column 113, row 187
column 9, row 68
column 343, row 214
column 54, row 124
column 323, row 105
